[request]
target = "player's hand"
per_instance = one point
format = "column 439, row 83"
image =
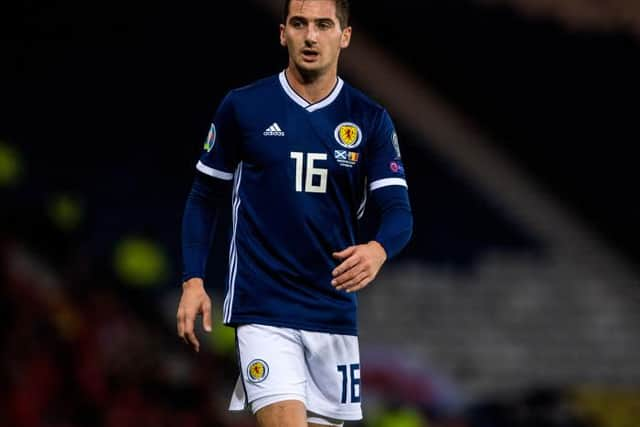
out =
column 194, row 301
column 360, row 265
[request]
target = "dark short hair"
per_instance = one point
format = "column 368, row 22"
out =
column 342, row 12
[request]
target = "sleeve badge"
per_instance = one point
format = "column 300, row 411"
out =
column 211, row 139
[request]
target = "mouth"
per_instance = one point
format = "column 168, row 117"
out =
column 309, row 54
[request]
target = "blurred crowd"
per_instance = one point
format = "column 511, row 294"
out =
column 81, row 354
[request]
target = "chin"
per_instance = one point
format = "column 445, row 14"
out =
column 306, row 70
column 310, row 68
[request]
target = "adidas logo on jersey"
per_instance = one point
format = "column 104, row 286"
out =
column 273, row 130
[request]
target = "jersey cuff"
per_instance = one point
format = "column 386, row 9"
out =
column 213, row 172
column 386, row 182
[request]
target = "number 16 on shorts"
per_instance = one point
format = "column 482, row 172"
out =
column 350, row 383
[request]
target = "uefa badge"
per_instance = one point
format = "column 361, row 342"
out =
column 348, row 135
column 257, row 371
column 396, row 167
column 211, row 138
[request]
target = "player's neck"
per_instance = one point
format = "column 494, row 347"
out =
column 311, row 87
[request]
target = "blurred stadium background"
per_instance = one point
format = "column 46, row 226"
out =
column 517, row 304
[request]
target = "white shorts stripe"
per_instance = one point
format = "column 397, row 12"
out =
column 213, row 172
column 386, row 182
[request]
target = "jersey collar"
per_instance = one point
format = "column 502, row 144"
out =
column 310, row 107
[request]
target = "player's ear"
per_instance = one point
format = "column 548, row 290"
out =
column 346, row 38
column 283, row 40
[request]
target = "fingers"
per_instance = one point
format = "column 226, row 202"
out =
column 359, row 267
column 189, row 333
column 206, row 317
column 357, row 286
column 354, row 283
column 344, row 267
column 185, row 325
column 352, row 277
column 345, row 253
column 180, row 323
column 194, row 301
column 346, row 271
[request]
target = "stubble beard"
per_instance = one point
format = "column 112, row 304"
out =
column 313, row 73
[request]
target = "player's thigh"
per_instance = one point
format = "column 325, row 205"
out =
column 333, row 376
column 287, row 413
column 272, row 365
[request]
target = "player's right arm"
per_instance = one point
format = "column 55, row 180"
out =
column 210, row 192
column 198, row 227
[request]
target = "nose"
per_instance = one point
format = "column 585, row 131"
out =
column 312, row 35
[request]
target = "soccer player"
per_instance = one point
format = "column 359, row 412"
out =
column 300, row 152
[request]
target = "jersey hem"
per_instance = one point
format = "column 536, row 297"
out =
column 241, row 320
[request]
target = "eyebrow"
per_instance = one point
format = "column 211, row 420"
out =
column 302, row 18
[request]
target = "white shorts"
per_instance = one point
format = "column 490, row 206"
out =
column 322, row 370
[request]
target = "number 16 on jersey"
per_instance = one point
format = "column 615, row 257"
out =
column 312, row 171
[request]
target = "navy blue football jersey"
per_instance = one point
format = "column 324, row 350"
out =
column 300, row 173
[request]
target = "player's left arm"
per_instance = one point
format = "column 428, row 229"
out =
column 360, row 264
